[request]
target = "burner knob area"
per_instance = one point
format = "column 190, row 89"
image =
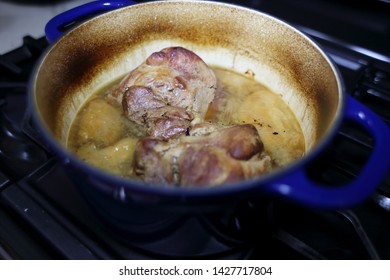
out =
column 19, row 156
column 248, row 222
column 254, row 218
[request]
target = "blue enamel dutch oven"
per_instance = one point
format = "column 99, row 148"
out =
column 108, row 45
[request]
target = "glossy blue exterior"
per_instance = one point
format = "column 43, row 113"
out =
column 298, row 187
column 292, row 184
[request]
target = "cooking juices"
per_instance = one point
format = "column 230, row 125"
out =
column 102, row 136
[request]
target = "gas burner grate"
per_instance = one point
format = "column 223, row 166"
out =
column 373, row 89
column 17, row 64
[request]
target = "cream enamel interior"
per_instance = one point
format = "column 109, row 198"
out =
column 108, row 46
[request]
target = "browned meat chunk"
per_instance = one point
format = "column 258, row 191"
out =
column 162, row 121
column 212, row 155
column 170, row 94
column 175, row 82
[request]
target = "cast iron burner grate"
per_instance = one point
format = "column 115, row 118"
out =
column 43, row 216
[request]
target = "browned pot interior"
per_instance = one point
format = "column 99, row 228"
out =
column 108, row 46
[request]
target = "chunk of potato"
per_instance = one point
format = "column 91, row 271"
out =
column 100, row 123
column 116, row 158
column 276, row 124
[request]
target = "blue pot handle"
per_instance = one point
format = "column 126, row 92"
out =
column 54, row 27
column 297, row 187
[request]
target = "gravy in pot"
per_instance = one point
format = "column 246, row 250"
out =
column 241, row 99
column 102, row 136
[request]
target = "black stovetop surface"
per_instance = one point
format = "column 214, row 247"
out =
column 43, row 216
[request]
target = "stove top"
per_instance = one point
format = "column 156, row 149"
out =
column 43, row 216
